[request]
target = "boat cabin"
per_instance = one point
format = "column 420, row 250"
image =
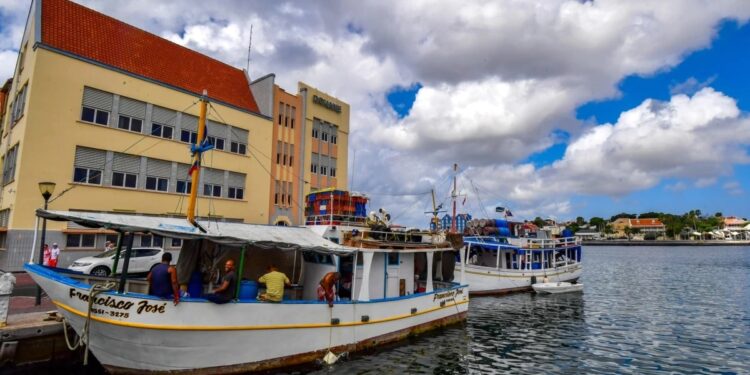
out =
column 522, row 254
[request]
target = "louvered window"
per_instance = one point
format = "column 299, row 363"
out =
column 97, row 106
column 89, row 165
column 238, row 140
column 9, row 165
column 157, row 174
column 19, row 105
column 125, row 169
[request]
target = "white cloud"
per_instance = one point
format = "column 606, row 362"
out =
column 7, row 64
column 733, row 188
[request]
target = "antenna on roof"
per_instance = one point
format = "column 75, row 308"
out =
column 249, row 47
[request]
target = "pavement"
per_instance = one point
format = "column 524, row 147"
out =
column 23, row 298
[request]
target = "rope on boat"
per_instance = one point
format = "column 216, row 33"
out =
column 83, row 338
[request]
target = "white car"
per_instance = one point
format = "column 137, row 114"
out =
column 142, row 259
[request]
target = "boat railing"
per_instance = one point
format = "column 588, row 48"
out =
column 549, row 243
column 354, row 221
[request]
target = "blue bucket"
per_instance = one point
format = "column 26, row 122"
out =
column 248, row 289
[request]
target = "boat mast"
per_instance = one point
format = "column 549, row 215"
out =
column 453, row 198
column 196, row 166
column 434, row 211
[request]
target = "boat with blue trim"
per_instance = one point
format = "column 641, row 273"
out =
column 130, row 331
column 386, row 292
column 504, row 264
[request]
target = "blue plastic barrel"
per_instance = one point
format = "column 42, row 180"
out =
column 500, row 223
column 505, row 232
column 248, row 289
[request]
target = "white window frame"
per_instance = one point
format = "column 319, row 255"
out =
column 232, row 192
column 213, row 190
column 96, row 115
column 125, row 179
column 157, row 180
column 161, row 132
column 89, row 173
column 129, row 126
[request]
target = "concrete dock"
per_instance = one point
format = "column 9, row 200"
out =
column 33, row 336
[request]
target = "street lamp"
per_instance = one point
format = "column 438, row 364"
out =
column 46, row 188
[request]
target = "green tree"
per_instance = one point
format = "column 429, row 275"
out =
column 718, row 214
column 538, row 221
column 650, row 215
column 622, row 215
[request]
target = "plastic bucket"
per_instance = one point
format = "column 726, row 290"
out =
column 248, row 289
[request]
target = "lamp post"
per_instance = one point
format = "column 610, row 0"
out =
column 46, row 188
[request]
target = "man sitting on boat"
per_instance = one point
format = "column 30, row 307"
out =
column 162, row 280
column 327, row 287
column 226, row 291
column 275, row 282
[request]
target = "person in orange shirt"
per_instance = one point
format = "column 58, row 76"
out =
column 327, row 287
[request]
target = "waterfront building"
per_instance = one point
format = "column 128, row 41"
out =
column 652, row 228
column 113, row 133
column 734, row 223
column 309, row 145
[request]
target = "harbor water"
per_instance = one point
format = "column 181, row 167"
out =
column 644, row 310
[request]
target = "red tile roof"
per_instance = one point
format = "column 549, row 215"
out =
column 646, row 223
column 89, row 34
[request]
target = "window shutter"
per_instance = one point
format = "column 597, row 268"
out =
column 213, row 176
column 238, row 135
column 163, row 116
column 216, row 129
column 132, row 108
column 182, row 171
column 158, row 168
column 4, row 217
column 97, row 99
column 126, row 163
column 90, row 158
column 189, row 122
column 236, row 179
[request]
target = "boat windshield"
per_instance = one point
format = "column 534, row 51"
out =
column 106, row 254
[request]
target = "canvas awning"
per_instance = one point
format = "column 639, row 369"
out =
column 237, row 234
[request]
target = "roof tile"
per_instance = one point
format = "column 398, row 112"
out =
column 92, row 35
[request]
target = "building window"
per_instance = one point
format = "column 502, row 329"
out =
column 334, row 139
column 291, row 121
column 315, row 133
column 188, row 136
column 290, row 160
column 162, row 131
column 96, row 116
column 130, row 123
column 393, row 259
column 333, row 171
column 236, row 193
column 323, row 170
column 324, row 136
column 289, row 199
column 81, row 240
column 212, row 190
column 111, row 238
column 152, row 241
column 218, row 143
column 314, row 168
column 276, row 198
column 87, row 176
column 122, row 179
column 9, row 165
column 238, row 148
column 176, row 242
column 184, row 186
column 18, row 105
column 157, row 183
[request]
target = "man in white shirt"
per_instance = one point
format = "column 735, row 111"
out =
column 54, row 255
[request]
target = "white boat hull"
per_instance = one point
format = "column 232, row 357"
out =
column 490, row 280
column 136, row 333
column 556, row 288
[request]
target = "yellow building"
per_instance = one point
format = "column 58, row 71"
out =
column 107, row 111
column 310, row 147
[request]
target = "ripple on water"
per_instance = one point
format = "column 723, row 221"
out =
column 645, row 310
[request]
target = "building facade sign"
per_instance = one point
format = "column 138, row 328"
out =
column 328, row 104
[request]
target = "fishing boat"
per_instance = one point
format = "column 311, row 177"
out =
column 504, row 264
column 387, row 292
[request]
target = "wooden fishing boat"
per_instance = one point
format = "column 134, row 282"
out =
column 381, row 298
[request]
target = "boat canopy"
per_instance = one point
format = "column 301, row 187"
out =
column 235, row 234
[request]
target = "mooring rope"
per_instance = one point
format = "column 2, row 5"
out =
column 95, row 290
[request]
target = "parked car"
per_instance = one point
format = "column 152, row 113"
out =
column 141, row 260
